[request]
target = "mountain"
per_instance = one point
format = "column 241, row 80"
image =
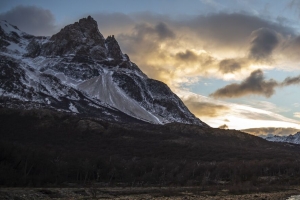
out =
column 295, row 139
column 78, row 70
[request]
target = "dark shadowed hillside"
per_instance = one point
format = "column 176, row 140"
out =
column 43, row 147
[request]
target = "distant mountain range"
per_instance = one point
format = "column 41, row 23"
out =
column 295, row 139
column 78, row 70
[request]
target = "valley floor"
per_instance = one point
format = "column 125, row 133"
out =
column 137, row 193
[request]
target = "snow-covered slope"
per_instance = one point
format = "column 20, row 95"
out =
column 295, row 139
column 78, row 70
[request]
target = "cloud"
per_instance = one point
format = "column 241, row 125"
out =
column 254, row 84
column 159, row 31
column 291, row 81
column 233, row 29
column 188, row 55
column 230, row 65
column 264, row 41
column 113, row 23
column 236, row 116
column 31, row 19
column 264, row 131
column 207, row 109
column 267, row 106
column 297, row 114
column 255, row 115
column 224, row 126
column 164, row 31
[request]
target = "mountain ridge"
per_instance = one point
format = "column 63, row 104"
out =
column 294, row 139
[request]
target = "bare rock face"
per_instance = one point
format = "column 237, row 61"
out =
column 3, row 39
column 114, row 50
column 81, row 38
column 33, row 48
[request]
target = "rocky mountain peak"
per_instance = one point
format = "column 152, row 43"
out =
column 86, row 28
column 114, row 50
column 88, row 22
column 81, row 39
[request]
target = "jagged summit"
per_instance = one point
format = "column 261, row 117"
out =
column 81, row 39
column 114, row 50
column 77, row 70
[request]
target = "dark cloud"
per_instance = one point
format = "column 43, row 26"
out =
column 291, row 81
column 218, row 30
column 31, row 19
column 224, row 126
column 203, row 60
column 271, row 130
column 145, row 37
column 186, row 56
column 290, row 48
column 160, row 31
column 164, row 31
column 264, row 41
column 254, row 84
column 229, row 66
column 205, row 109
column 231, row 29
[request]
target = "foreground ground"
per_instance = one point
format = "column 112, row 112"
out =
column 137, row 193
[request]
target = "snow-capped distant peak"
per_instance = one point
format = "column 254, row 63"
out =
column 295, row 139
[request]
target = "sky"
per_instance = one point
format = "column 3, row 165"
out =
column 234, row 63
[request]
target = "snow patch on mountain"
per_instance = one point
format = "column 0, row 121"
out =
column 73, row 108
column 104, row 89
column 8, row 28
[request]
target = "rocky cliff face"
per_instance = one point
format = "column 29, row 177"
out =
column 78, row 70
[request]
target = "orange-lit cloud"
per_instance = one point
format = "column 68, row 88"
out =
column 235, row 116
column 205, row 109
column 271, row 130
